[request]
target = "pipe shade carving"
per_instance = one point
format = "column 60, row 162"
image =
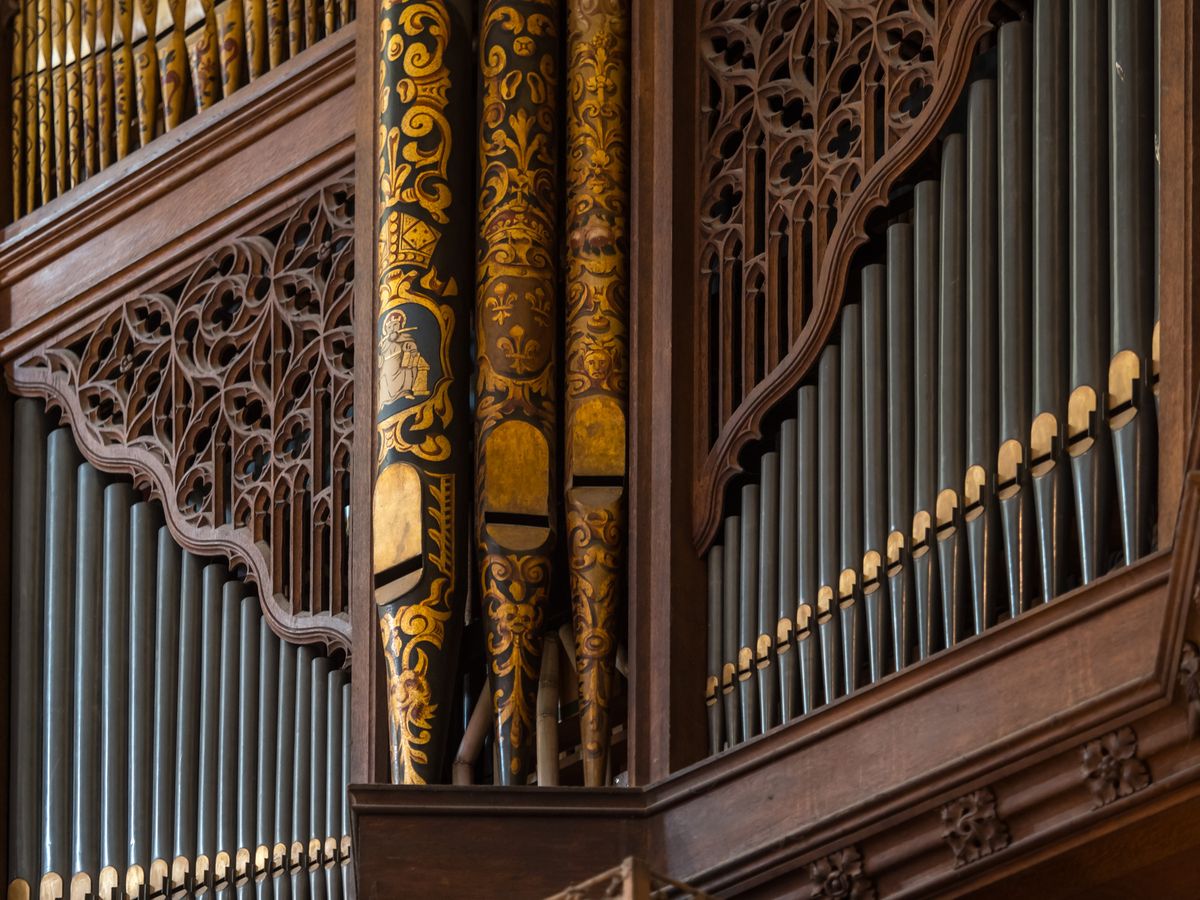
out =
column 227, row 392
column 811, row 111
column 421, row 414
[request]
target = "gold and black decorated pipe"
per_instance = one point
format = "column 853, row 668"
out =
column 89, row 12
column 277, row 46
column 29, row 176
column 45, row 103
column 874, row 475
column 748, row 579
column 124, row 76
column 785, row 625
column 516, row 316
column 597, row 353
column 899, row 350
column 422, row 420
column 1132, row 260
column 1048, row 475
column 230, row 17
column 145, row 57
column 17, row 99
column 926, row 198
column 828, row 506
column 204, row 66
column 851, row 621
column 768, row 590
column 173, row 63
column 979, row 508
column 74, row 67
column 947, row 519
column 256, row 38
column 1014, row 106
column 712, row 687
column 60, row 11
column 732, row 552
column 106, row 89
column 1087, row 440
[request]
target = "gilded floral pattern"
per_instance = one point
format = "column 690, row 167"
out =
column 597, row 348
column 515, row 333
column 420, row 390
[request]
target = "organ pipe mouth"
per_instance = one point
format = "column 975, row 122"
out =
column 1009, row 461
column 1123, row 374
column 1155, row 357
column 1043, row 444
column 824, row 604
column 922, row 531
column 803, row 621
column 710, row 694
column 847, row 582
column 81, row 887
column 763, row 651
column 946, row 510
column 872, row 566
column 728, row 673
column 1081, row 412
column 50, row 887
column 895, row 552
column 974, row 487
column 18, row 889
column 784, row 630
column 745, row 663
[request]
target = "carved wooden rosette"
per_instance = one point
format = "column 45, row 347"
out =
column 515, row 333
column 597, row 357
column 421, row 413
column 811, row 112
column 227, row 392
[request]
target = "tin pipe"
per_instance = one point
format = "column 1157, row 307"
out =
column 227, row 712
column 1132, row 259
column 166, row 647
column 852, row 624
column 979, row 512
column 62, row 460
column 249, row 641
column 951, row 548
column 874, row 476
column 211, row 621
column 712, row 693
column 1087, row 444
column 785, row 626
column 768, row 590
column 302, row 743
column 806, row 659
column 807, row 574
column 729, row 629
column 1047, row 457
column 899, row 340
column 282, row 834
column 1015, row 154
column 318, row 772
column 926, row 199
column 28, row 611
column 828, row 474
column 143, row 552
column 269, row 701
column 748, row 614
column 85, row 701
column 333, row 783
column 114, row 680
column 187, row 708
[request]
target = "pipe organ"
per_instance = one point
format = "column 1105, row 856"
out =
column 93, row 80
column 169, row 741
column 978, row 434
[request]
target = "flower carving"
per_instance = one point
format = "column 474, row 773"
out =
column 972, row 828
column 840, row 876
column 1112, row 768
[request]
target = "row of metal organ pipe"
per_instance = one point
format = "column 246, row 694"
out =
column 93, row 80
column 162, row 734
column 979, row 435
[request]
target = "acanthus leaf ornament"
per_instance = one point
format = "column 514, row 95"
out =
column 419, row 511
column 1112, row 768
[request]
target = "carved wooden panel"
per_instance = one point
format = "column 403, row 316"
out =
column 227, row 392
column 810, row 111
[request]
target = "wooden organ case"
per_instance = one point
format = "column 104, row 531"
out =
column 748, row 441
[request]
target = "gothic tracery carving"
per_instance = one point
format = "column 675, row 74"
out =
column 228, row 394
column 810, row 109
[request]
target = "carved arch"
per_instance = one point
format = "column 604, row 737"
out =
column 227, row 394
column 849, row 94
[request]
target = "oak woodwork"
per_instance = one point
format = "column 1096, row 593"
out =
column 228, row 392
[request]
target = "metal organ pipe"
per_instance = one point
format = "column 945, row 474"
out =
column 162, row 708
column 1005, row 324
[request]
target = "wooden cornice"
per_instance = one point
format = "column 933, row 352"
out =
column 240, row 160
column 1008, row 711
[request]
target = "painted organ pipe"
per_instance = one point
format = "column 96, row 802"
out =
column 986, row 397
column 421, row 413
column 93, row 80
column 516, row 317
column 597, row 353
column 140, row 751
